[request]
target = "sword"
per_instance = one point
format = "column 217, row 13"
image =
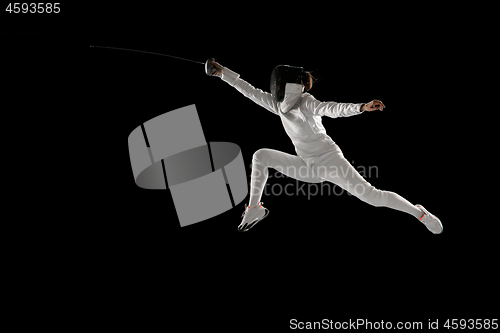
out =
column 209, row 69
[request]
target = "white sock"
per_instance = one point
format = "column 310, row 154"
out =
column 395, row 201
column 257, row 181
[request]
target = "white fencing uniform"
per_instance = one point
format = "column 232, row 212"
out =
column 318, row 157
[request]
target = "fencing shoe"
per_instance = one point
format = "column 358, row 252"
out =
column 430, row 221
column 251, row 216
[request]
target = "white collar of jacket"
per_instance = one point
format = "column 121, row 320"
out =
column 293, row 91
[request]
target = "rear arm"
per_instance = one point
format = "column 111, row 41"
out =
column 334, row 109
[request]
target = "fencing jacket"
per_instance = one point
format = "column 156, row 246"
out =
column 303, row 122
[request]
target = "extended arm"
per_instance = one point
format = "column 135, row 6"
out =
column 260, row 97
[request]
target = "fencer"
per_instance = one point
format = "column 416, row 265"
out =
column 318, row 158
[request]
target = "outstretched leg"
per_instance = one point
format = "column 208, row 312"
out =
column 332, row 166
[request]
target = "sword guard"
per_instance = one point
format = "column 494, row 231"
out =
column 209, row 68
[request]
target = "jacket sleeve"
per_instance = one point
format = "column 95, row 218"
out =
column 260, row 97
column 333, row 109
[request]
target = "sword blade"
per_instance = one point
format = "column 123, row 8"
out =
column 140, row 51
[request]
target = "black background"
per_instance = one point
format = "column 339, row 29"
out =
column 324, row 257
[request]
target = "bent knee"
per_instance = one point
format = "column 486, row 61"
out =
column 261, row 155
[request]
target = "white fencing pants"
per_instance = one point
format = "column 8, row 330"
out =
column 330, row 166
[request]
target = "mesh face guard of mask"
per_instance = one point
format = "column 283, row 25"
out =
column 281, row 75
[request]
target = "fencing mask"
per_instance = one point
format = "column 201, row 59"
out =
column 286, row 85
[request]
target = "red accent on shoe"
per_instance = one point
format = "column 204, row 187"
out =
column 259, row 204
column 420, row 219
